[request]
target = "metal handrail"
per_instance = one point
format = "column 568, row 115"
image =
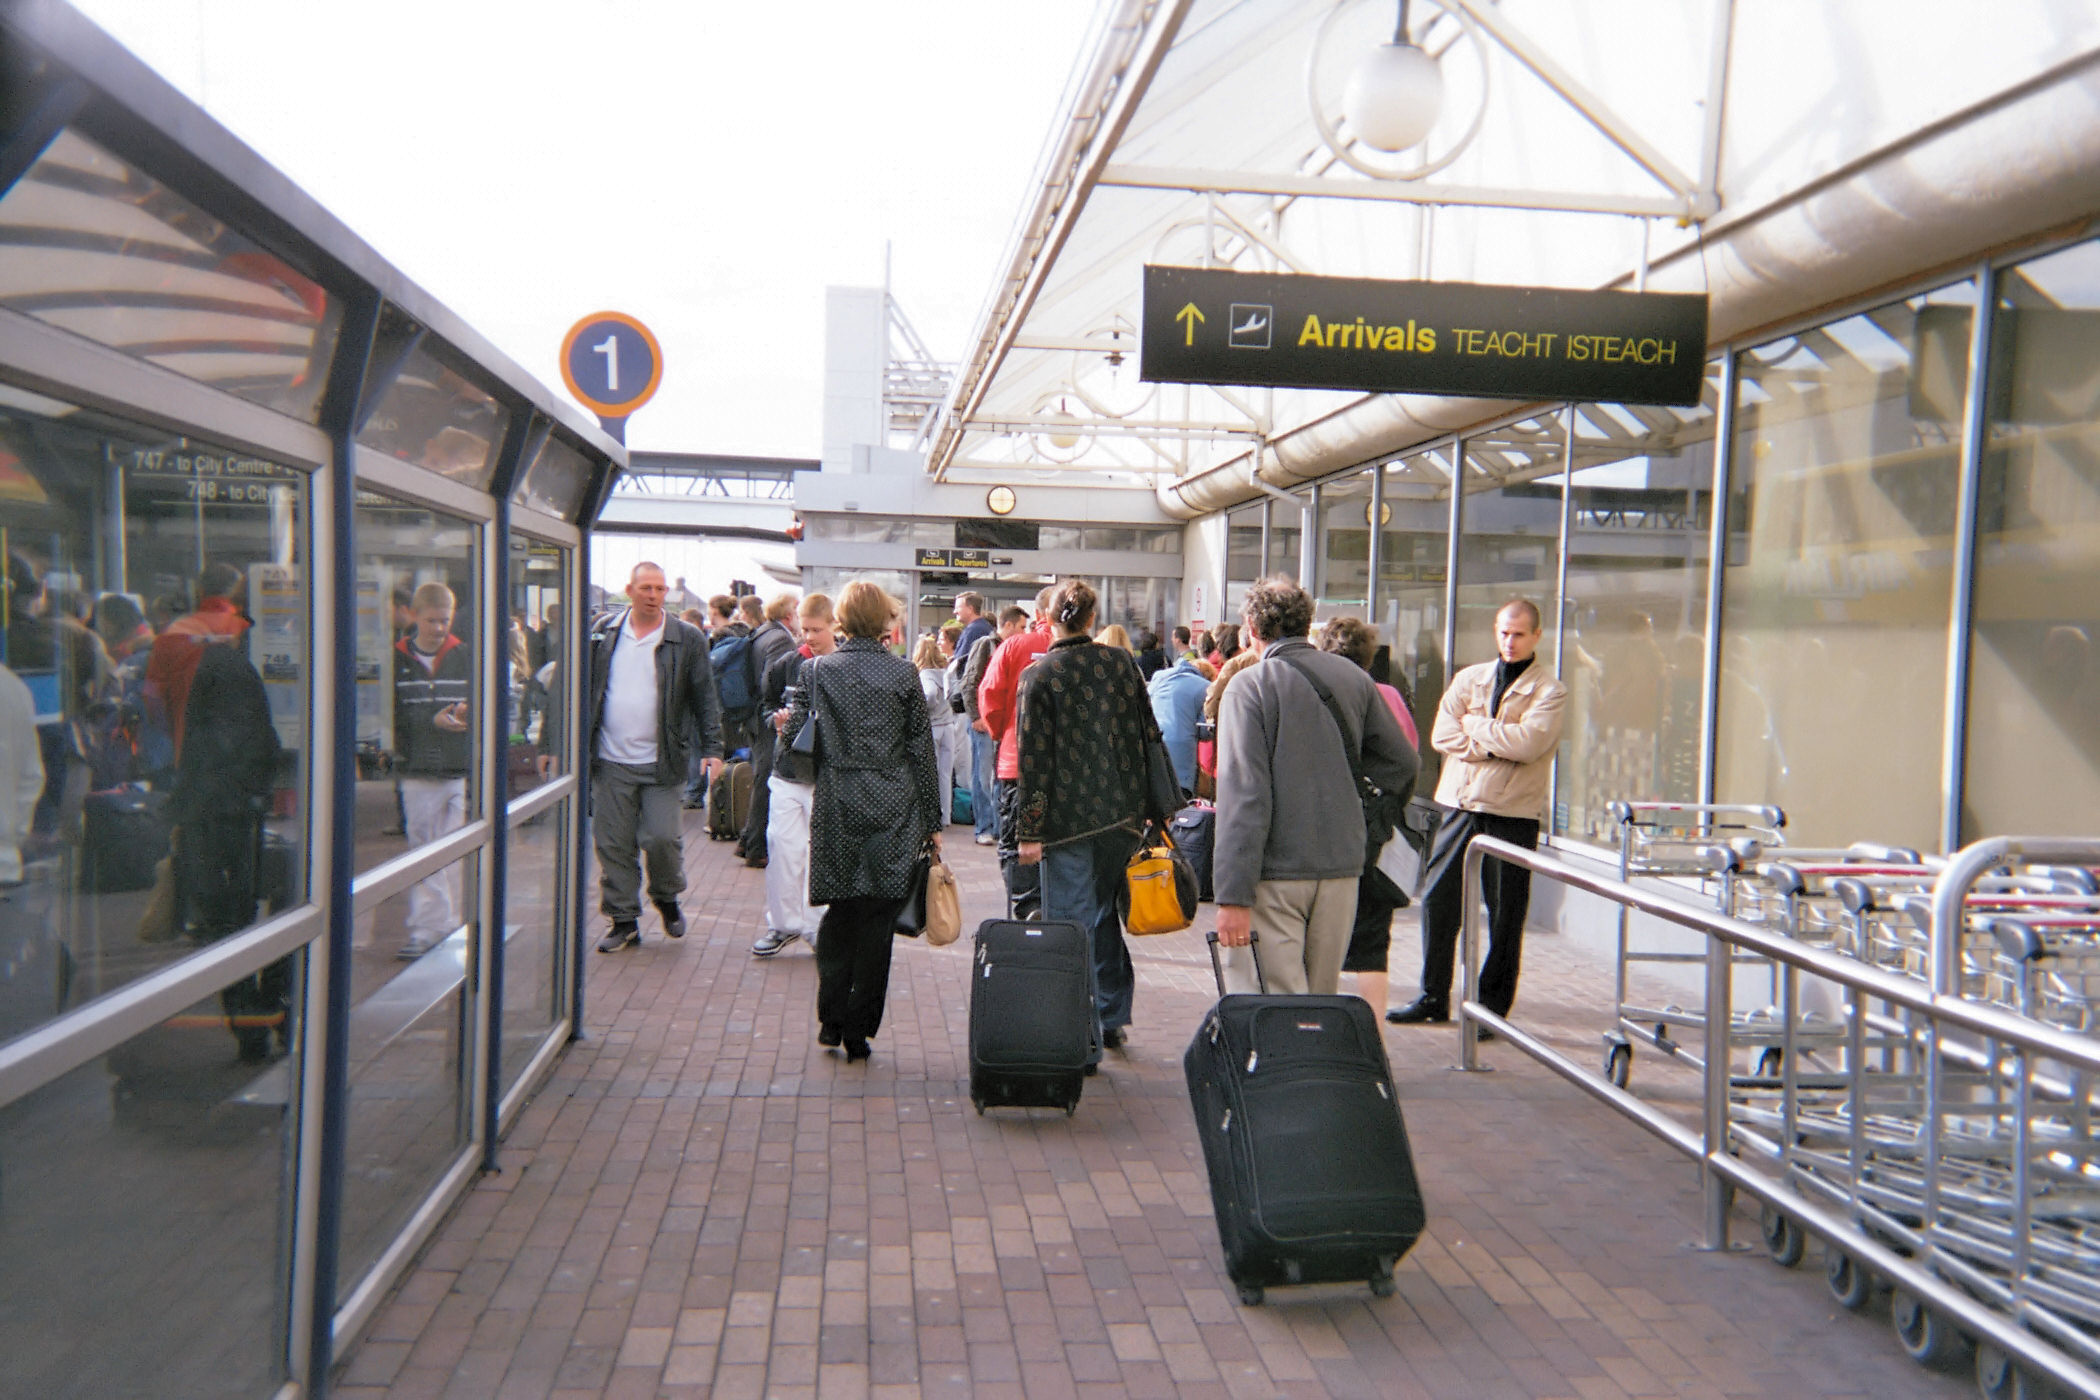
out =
column 1710, row 1145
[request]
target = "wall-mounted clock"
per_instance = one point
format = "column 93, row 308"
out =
column 1000, row 500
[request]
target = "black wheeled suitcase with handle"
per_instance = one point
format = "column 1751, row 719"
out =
column 1031, row 1014
column 1310, row 1174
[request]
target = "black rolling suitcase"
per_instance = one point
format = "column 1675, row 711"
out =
column 1310, row 1174
column 1031, row 1014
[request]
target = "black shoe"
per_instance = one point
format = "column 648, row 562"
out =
column 1112, row 1038
column 1482, row 1035
column 755, row 864
column 856, row 1049
column 674, row 922
column 624, row 934
column 828, row 1036
column 1420, row 1012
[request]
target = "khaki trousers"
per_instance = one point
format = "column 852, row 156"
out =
column 1301, row 930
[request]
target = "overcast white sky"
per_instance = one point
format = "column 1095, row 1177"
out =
column 705, row 166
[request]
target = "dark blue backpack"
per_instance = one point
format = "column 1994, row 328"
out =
column 736, row 679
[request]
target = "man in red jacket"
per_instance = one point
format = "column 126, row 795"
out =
column 997, row 703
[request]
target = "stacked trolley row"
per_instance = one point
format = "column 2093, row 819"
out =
column 1948, row 1147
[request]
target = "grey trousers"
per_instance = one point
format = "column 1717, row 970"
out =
column 634, row 815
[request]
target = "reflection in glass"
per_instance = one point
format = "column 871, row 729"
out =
column 153, row 708
column 409, row 1107
column 418, row 701
column 537, row 656
column 431, row 414
column 553, row 483
column 1636, row 609
column 2034, row 679
column 1284, row 517
column 1409, row 607
column 535, row 936
column 1509, row 542
column 1835, row 601
column 95, row 246
column 1344, row 582
column 143, row 1222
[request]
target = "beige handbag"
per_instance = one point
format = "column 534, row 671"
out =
column 943, row 906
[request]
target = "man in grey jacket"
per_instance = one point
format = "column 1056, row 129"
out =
column 1290, row 831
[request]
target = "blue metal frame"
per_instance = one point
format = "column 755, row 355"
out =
column 339, row 416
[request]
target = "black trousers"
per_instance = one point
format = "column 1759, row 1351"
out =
column 853, row 964
column 1024, row 883
column 753, row 844
column 1508, row 893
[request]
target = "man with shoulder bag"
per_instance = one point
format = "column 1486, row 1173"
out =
column 1305, row 746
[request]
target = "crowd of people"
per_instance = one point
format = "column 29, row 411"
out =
column 1033, row 728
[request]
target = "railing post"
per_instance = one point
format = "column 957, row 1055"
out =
column 1468, row 953
column 1720, row 987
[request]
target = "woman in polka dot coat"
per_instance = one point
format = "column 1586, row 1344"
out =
column 876, row 806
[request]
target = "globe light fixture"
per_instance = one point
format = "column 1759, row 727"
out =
column 1395, row 94
column 1062, row 437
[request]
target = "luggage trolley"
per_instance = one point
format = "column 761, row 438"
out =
column 1959, row 1151
column 1707, row 842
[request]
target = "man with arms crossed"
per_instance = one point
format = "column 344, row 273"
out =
column 1497, row 728
column 650, row 688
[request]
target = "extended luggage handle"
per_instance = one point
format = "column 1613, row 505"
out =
column 1217, row 968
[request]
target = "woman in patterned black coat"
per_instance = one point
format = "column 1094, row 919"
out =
column 1085, row 720
column 877, row 803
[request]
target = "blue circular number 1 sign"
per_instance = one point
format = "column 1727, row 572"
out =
column 611, row 363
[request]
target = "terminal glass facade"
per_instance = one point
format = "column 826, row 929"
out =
column 1820, row 678
column 240, row 482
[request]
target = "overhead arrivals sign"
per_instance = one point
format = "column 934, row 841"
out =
column 1287, row 330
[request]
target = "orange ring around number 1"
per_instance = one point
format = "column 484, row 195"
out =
column 599, row 383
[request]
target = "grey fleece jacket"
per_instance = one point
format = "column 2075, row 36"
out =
column 1287, row 808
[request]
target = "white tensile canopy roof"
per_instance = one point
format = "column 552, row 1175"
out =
column 1779, row 156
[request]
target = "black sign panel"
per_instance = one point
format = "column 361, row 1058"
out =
column 933, row 558
column 1292, row 331
column 970, row 558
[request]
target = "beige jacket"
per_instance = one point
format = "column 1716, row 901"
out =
column 1501, row 764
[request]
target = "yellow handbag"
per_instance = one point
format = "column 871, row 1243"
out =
column 1159, row 888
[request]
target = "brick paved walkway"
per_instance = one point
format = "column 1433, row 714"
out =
column 701, row 1202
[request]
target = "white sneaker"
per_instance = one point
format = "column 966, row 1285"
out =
column 771, row 942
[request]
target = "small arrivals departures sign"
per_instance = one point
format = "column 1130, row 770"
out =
column 1286, row 330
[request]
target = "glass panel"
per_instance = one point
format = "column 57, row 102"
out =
column 2034, row 683
column 1410, row 602
column 1283, row 538
column 95, row 246
column 431, row 414
column 860, row 529
column 143, row 1230
column 1344, row 585
column 537, row 656
column 418, row 680
column 1003, row 534
column 535, row 937
column 1835, row 598
column 1060, row 537
column 409, row 1057
column 1509, row 543
column 555, row 480
column 1636, row 609
column 1139, row 604
column 153, row 659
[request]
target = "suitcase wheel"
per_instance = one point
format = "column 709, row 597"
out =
column 1382, row 1285
column 1071, row 1108
column 1251, row 1295
column 980, row 1106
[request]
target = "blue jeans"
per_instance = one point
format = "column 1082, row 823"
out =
column 1081, row 880
column 984, row 799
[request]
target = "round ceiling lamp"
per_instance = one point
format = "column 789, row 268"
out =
column 1065, row 435
column 1395, row 93
column 1394, row 97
